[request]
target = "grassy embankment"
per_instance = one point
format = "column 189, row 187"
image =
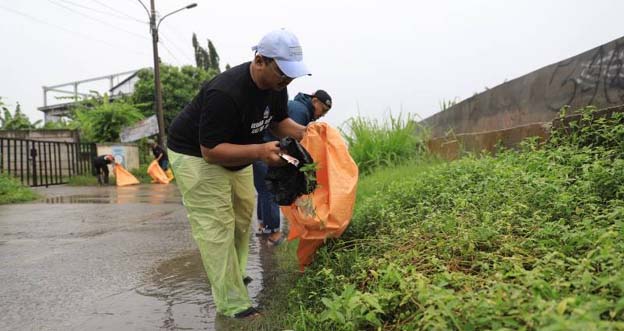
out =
column 527, row 240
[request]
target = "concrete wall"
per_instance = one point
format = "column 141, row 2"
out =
column 70, row 136
column 594, row 77
column 125, row 154
column 453, row 146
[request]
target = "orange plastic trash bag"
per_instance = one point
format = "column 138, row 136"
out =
column 326, row 212
column 157, row 174
column 123, row 177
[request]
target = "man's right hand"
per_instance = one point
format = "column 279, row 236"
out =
column 269, row 153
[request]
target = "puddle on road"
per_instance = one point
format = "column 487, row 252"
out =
column 175, row 295
column 113, row 199
column 150, row 194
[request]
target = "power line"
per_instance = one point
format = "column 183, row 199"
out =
column 118, row 11
column 86, row 36
column 98, row 20
column 169, row 51
column 170, row 40
column 125, row 17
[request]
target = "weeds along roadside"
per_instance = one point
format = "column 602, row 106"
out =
column 373, row 145
column 12, row 191
column 531, row 239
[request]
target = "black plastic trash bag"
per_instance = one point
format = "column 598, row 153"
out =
column 287, row 183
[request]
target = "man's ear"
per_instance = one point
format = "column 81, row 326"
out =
column 258, row 60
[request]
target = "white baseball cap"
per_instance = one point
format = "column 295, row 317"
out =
column 283, row 46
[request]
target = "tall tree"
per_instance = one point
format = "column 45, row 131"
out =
column 207, row 59
column 202, row 59
column 214, row 56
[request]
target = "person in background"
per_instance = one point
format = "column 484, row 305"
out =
column 100, row 164
column 303, row 109
column 212, row 144
column 159, row 154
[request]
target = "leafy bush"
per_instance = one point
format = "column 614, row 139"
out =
column 529, row 240
column 11, row 191
column 100, row 120
column 15, row 121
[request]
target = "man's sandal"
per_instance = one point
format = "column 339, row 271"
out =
column 250, row 312
column 276, row 242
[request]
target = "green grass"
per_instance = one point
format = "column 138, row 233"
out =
column 12, row 191
column 374, row 144
column 527, row 240
column 141, row 174
column 88, row 180
column 82, row 181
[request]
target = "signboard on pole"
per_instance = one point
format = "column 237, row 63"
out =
column 144, row 128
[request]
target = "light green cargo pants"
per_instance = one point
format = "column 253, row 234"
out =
column 219, row 204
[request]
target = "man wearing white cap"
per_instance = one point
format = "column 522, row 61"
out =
column 212, row 144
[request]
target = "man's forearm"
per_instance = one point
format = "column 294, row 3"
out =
column 231, row 155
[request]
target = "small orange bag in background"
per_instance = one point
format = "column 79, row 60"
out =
column 326, row 212
column 123, row 177
column 158, row 175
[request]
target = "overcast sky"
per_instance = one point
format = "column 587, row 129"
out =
column 371, row 56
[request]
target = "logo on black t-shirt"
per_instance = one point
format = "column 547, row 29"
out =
column 257, row 127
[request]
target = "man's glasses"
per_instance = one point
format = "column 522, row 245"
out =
column 280, row 73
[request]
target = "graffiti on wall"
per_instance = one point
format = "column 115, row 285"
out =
column 598, row 80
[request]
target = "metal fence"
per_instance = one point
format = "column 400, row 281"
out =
column 43, row 163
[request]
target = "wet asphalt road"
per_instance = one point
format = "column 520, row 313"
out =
column 106, row 258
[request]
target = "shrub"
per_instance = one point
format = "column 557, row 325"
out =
column 11, row 191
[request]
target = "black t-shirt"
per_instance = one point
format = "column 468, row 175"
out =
column 230, row 108
column 157, row 151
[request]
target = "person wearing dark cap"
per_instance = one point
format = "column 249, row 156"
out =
column 211, row 146
column 303, row 109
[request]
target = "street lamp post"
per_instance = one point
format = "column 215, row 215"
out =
column 157, row 88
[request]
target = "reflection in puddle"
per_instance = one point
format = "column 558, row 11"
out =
column 150, row 194
column 180, row 280
column 181, row 284
column 153, row 199
column 78, row 199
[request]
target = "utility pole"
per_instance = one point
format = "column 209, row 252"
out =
column 157, row 88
